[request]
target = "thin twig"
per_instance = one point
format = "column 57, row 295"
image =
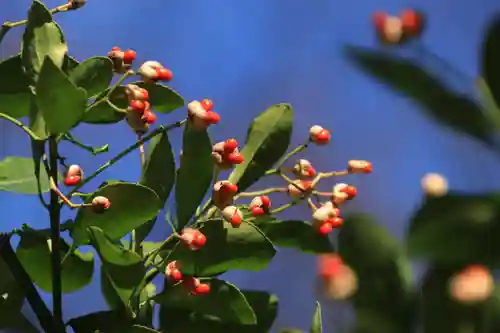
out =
column 262, row 192
column 21, row 126
column 142, row 152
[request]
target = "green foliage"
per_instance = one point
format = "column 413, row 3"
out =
column 317, row 323
column 17, row 175
column 489, row 55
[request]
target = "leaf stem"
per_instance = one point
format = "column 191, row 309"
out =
column 323, row 175
column 127, row 151
column 119, row 82
column 94, row 151
column 21, row 126
column 55, row 220
column 262, row 192
column 24, row 282
column 294, row 152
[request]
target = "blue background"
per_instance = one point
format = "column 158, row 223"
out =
column 248, row 55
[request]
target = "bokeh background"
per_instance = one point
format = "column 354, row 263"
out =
column 247, row 55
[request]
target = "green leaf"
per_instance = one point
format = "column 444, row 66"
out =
column 457, row 229
column 109, row 251
column 317, row 323
column 94, row 75
column 267, row 140
column 490, row 68
column 291, row 330
column 146, row 305
column 264, row 305
column 103, row 321
column 42, row 38
column 11, row 298
column 381, row 266
column 34, row 252
column 14, row 88
column 196, row 159
column 159, row 170
column 162, row 98
column 131, row 206
column 437, row 101
column 227, row 248
column 100, row 112
column 142, row 232
column 373, row 322
column 17, row 174
column 295, row 234
column 60, row 102
column 224, row 301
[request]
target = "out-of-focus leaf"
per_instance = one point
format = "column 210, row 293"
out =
column 267, row 140
column 457, row 229
column 382, row 268
column 490, row 68
column 439, row 102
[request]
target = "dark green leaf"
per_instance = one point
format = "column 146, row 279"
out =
column 224, row 301
column 131, row 206
column 146, row 305
column 14, row 321
column 143, row 231
column 100, row 112
column 42, row 38
column 159, row 170
column 373, row 322
column 294, row 234
column 227, row 248
column 196, row 159
column 457, row 228
column 17, row 174
column 381, row 266
column 267, row 140
column 291, row 330
column 109, row 251
column 119, row 282
column 163, row 99
column 317, row 322
column 104, row 321
column 94, row 75
column 60, row 102
column 451, row 109
column 14, row 88
column 490, row 68
column 34, row 252
column 11, row 298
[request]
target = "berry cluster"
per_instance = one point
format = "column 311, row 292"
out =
column 226, row 154
column 139, row 114
column 398, row 29
column 122, row 60
column 201, row 114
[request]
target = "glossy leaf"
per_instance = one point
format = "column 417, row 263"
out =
column 196, row 159
column 490, row 68
column 119, row 282
column 109, row 251
column 437, row 101
column 131, row 206
column 457, row 228
column 317, row 322
column 381, row 266
column 227, row 248
column 162, row 98
column 299, row 235
column 224, row 301
column 264, row 305
column 60, row 102
column 14, row 88
column 34, row 252
column 267, row 140
column 17, row 174
column 159, row 171
column 100, row 112
column 94, row 75
column 42, row 38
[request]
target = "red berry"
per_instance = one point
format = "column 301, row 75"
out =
column 129, row 56
column 149, row 117
column 116, row 49
column 72, row 180
column 137, row 105
column 201, row 289
column 144, row 93
column 412, row 22
column 378, row 19
column 176, row 275
column 323, row 136
column 233, row 188
column 212, row 118
column 230, row 145
column 337, row 222
column 337, row 211
column 257, row 211
column 207, row 104
column 199, row 240
column 236, row 219
column 266, row 202
column 165, row 74
column 351, row 191
column 325, row 228
column 236, row 158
